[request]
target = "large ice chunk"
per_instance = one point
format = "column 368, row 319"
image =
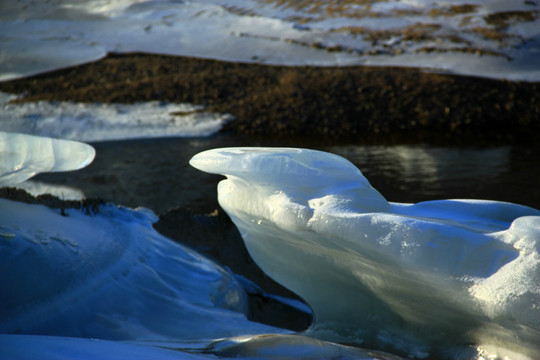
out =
column 416, row 278
column 23, row 156
column 106, row 273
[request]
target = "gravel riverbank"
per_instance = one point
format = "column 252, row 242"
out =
column 364, row 103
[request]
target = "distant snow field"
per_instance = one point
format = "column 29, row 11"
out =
column 101, row 122
column 498, row 39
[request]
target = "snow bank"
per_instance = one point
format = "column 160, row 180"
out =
column 100, row 122
column 105, row 273
column 420, row 279
column 25, row 347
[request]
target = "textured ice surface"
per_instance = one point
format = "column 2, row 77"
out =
column 260, row 347
column 106, row 273
column 25, row 347
column 498, row 39
column 23, row 156
column 417, row 278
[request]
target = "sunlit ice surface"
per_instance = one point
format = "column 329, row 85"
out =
column 419, row 279
column 483, row 38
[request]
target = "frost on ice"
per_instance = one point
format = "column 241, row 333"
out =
column 417, row 278
column 23, row 156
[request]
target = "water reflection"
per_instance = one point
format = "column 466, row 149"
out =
column 412, row 173
column 431, row 169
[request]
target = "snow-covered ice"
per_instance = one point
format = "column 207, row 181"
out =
column 106, row 273
column 420, row 279
column 499, row 39
column 101, row 122
column 26, row 347
column 415, row 279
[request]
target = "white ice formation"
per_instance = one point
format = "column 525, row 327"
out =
column 420, row 279
column 23, row 156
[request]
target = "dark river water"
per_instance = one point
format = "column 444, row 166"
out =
column 155, row 172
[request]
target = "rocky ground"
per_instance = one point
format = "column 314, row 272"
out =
column 367, row 103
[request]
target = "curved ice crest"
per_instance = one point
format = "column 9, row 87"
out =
column 23, row 156
column 418, row 278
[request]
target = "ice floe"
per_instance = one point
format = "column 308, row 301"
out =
column 495, row 39
column 421, row 279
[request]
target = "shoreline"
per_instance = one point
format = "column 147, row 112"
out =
column 360, row 103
